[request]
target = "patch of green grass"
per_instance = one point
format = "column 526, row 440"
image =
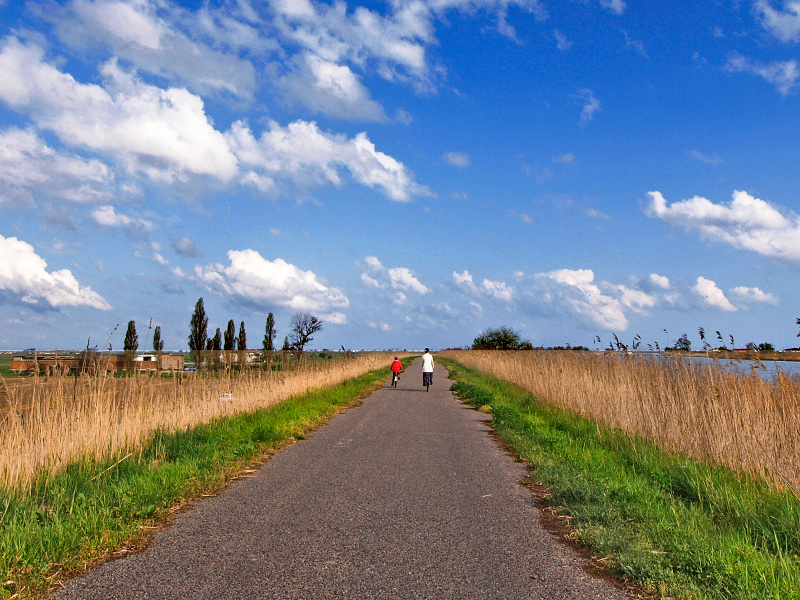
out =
column 5, row 365
column 675, row 526
column 63, row 523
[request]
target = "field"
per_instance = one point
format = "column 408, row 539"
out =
column 679, row 528
column 74, row 513
column 733, row 419
column 50, row 422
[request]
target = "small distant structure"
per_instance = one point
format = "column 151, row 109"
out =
column 90, row 361
column 45, row 361
column 172, row 362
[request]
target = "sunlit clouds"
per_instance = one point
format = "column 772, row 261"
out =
column 746, row 223
column 307, row 156
column 251, row 279
column 125, row 118
column 710, row 295
column 395, row 278
column 24, row 278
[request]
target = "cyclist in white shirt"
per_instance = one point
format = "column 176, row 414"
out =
column 427, row 368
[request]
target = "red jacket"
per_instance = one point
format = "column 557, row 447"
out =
column 397, row 366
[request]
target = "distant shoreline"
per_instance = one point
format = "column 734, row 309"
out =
column 790, row 356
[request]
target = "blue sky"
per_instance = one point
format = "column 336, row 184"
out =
column 410, row 172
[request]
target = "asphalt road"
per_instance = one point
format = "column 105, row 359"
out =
column 407, row 496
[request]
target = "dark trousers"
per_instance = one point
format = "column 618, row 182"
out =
column 427, row 379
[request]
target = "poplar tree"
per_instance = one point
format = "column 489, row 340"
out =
column 198, row 332
column 131, row 344
column 131, row 338
column 242, row 337
column 230, row 336
column 158, row 343
column 268, row 345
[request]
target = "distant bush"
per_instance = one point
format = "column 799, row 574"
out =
column 683, row 344
column 501, row 338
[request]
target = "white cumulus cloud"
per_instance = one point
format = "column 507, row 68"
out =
column 499, row 290
column 658, row 281
column 570, row 293
column 253, row 280
column 753, row 294
column 398, row 278
column 636, row 300
column 30, row 169
column 24, row 278
column 747, row 223
column 330, row 88
column 305, row 155
column 108, row 217
column 163, row 133
column 393, row 45
column 147, row 33
column 574, row 291
column 711, row 295
column 464, row 278
column 404, row 279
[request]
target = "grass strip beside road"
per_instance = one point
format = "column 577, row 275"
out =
column 676, row 527
column 64, row 523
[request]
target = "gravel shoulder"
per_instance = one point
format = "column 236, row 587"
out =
column 407, row 496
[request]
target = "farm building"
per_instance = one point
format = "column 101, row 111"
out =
column 94, row 362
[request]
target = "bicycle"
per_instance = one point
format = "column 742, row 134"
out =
column 395, row 378
column 427, row 380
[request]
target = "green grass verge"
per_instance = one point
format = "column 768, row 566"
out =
column 61, row 524
column 676, row 527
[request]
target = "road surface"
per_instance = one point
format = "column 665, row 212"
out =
column 407, row 496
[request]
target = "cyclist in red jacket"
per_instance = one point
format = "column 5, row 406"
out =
column 397, row 366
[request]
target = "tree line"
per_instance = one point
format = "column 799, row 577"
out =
column 505, row 338
column 302, row 327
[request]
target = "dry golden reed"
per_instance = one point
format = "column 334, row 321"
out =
column 59, row 419
column 709, row 412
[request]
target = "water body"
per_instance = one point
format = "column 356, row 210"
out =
column 767, row 369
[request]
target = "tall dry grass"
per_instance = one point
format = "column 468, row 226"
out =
column 53, row 421
column 706, row 411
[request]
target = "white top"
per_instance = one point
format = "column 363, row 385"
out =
column 427, row 363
